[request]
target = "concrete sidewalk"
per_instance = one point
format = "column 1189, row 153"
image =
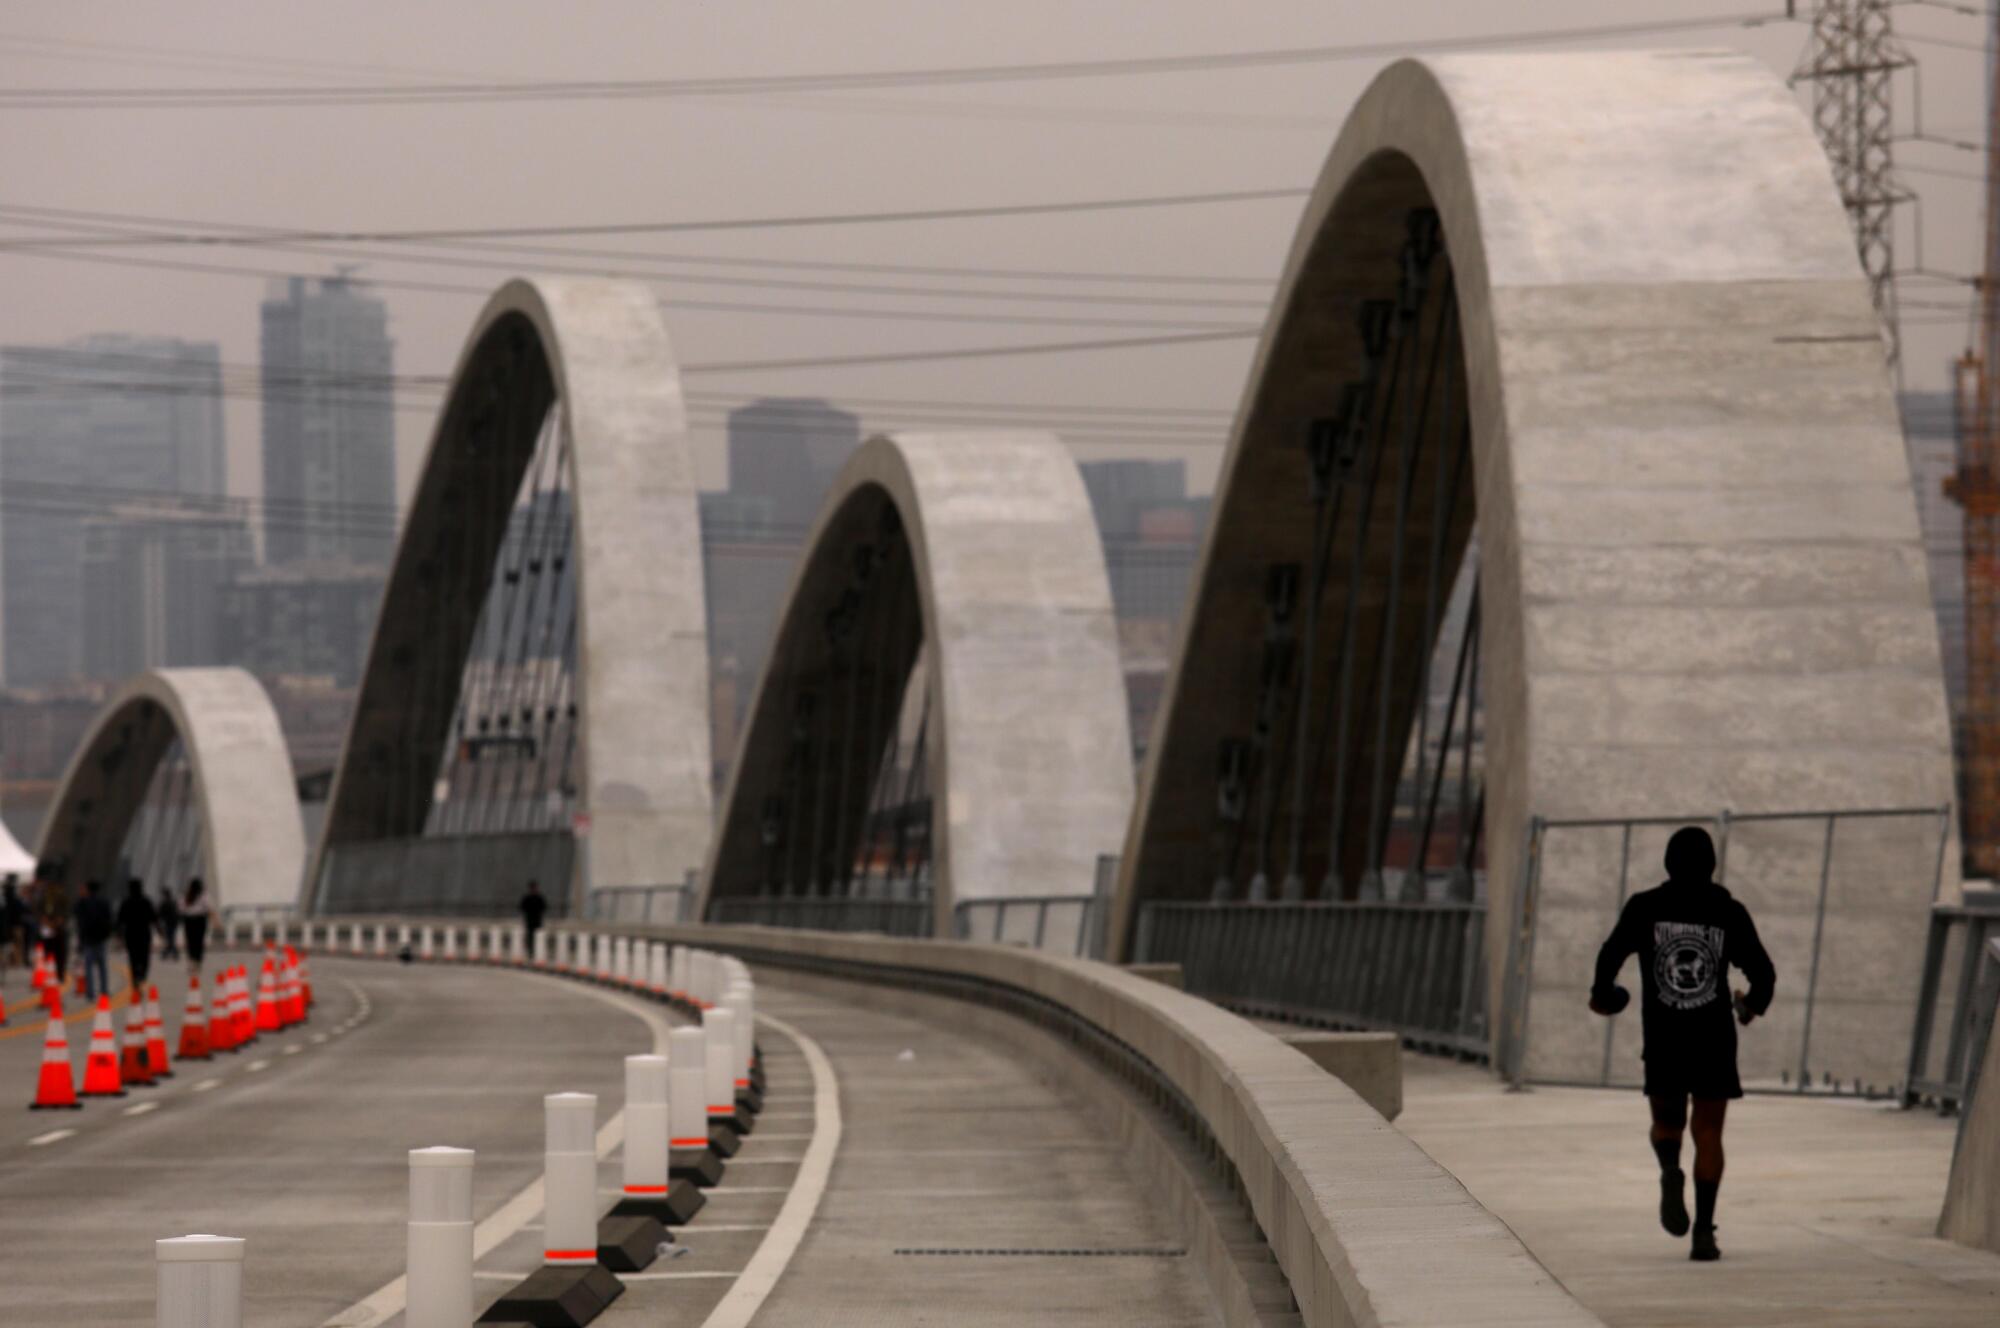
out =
column 1825, row 1219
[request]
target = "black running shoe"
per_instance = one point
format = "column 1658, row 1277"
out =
column 1704, row 1250
column 1673, row 1202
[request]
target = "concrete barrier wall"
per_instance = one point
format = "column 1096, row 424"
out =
column 1367, row 1228
column 1971, row 1213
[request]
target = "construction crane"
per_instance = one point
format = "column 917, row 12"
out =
column 1976, row 488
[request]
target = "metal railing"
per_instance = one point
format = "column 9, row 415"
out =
column 1415, row 969
column 891, row 917
column 1961, row 978
column 1577, row 872
column 642, row 903
column 1061, row 924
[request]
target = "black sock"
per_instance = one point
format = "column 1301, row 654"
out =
column 1704, row 1202
column 1669, row 1152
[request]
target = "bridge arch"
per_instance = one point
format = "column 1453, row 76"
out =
column 246, row 836
column 1700, row 578
column 947, row 646
column 578, row 378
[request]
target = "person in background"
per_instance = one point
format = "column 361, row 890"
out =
column 533, row 907
column 13, row 923
column 93, row 931
column 51, row 913
column 194, row 920
column 170, row 924
column 137, row 921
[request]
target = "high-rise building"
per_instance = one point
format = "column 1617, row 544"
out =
column 788, row 450
column 329, row 426
column 154, row 574
column 303, row 620
column 125, row 414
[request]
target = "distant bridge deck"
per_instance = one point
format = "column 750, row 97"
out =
column 1826, row 1217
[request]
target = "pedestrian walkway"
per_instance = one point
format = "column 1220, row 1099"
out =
column 1826, row 1214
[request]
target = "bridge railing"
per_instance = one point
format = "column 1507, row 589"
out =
column 1960, row 982
column 1415, row 969
column 890, row 917
column 1060, row 924
column 642, row 903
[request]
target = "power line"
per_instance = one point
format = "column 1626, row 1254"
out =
column 967, row 353
column 238, row 238
column 410, row 93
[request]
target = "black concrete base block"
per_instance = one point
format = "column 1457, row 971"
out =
column 675, row 1208
column 749, row 1101
column 698, row 1166
column 628, row 1243
column 738, row 1120
column 557, row 1296
column 722, row 1139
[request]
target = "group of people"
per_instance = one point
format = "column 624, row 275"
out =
column 42, row 912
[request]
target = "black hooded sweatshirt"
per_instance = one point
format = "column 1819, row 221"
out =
column 1687, row 933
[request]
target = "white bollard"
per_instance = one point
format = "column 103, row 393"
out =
column 541, row 948
column 738, row 1002
column 646, row 1125
column 621, row 960
column 381, row 940
column 424, row 946
column 687, row 1089
column 569, row 1179
column 677, row 970
column 440, row 1263
column 403, row 935
column 283, row 931
column 256, row 933
column 200, row 1281
column 602, row 965
column 718, row 1026
column 656, row 968
column 513, row 945
column 450, row 943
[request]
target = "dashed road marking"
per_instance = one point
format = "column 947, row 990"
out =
column 140, row 1108
column 318, row 1038
column 207, row 1084
column 255, row 1066
column 53, row 1136
column 293, row 1051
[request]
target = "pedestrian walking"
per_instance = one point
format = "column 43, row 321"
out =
column 93, row 932
column 170, row 924
column 137, row 921
column 51, row 915
column 1687, row 933
column 533, row 907
column 13, row 923
column 194, row 921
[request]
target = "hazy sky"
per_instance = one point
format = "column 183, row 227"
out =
column 536, row 163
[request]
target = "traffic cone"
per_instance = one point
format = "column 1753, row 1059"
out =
column 222, row 1016
column 39, row 981
column 133, row 1066
column 157, row 1059
column 56, row 1090
column 3, row 1011
column 100, row 1065
column 194, row 1023
column 267, row 1000
column 246, row 1018
column 291, row 1010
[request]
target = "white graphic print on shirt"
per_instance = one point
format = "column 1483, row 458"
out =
column 1687, row 963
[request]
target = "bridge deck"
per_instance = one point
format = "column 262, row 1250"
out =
column 1826, row 1214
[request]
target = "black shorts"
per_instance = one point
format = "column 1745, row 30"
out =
column 1696, row 1076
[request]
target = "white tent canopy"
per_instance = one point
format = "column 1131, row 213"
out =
column 14, row 860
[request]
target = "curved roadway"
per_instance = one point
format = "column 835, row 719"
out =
column 949, row 1144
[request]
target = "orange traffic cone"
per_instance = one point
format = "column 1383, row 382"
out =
column 243, row 1021
column 194, row 1024
column 156, row 1037
column 56, row 1090
column 38, row 982
column 291, row 990
column 133, row 1066
column 222, row 1016
column 267, row 1000
column 3, row 1011
column 100, row 1065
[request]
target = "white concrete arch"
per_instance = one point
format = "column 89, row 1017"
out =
column 1029, row 759
column 1702, row 575
column 598, row 351
column 253, row 840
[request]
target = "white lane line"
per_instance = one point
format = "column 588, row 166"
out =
column 140, row 1108
column 742, row 1301
column 53, row 1136
column 783, row 1138
column 502, row 1275
column 765, row 1161
column 388, row 1300
column 697, row 1229
column 293, row 1051
column 207, row 1084
column 318, row 1038
column 724, row 1191
column 255, row 1066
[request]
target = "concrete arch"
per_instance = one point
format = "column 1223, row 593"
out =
column 253, row 840
column 1702, row 576
column 600, row 349
column 1030, row 765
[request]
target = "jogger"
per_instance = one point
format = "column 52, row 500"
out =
column 1687, row 933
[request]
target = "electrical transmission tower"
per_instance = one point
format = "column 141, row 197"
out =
column 1851, row 61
